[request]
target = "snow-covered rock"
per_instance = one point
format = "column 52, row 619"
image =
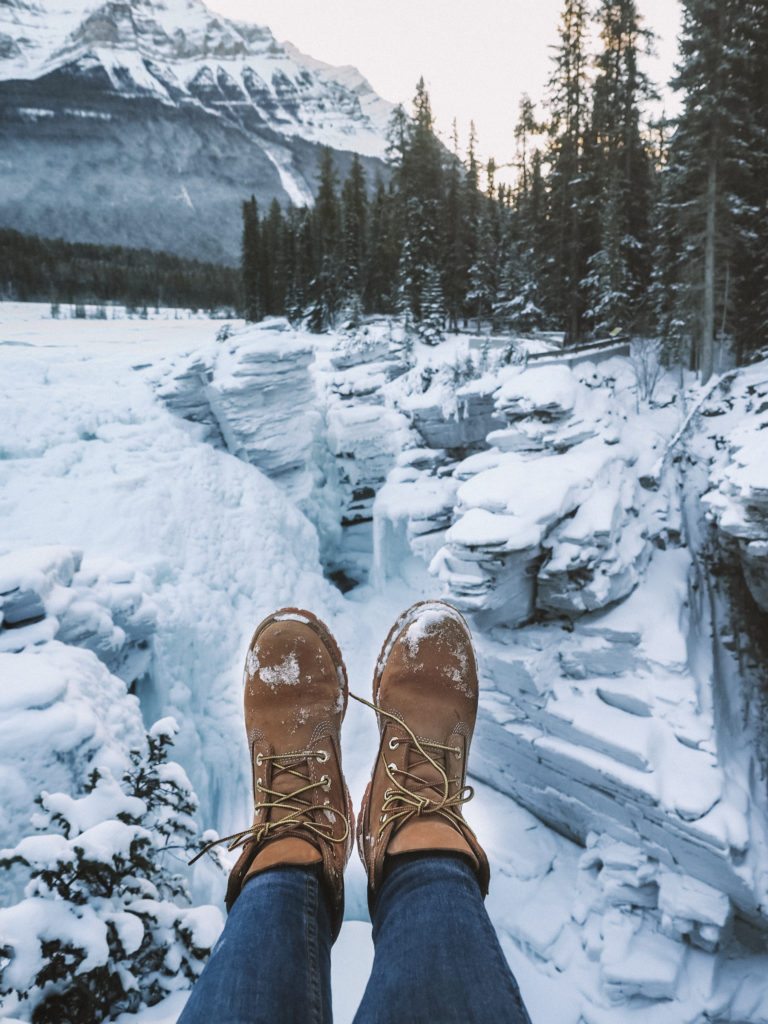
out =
column 182, row 384
column 262, row 398
column 546, row 407
column 547, row 515
column 598, row 556
column 739, row 496
column 457, row 418
column 102, row 605
column 62, row 713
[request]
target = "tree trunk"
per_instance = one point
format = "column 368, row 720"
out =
column 707, row 352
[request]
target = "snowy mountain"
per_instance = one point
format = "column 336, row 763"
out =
column 165, row 484
column 145, row 122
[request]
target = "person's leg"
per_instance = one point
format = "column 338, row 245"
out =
column 437, row 955
column 272, row 964
column 285, row 894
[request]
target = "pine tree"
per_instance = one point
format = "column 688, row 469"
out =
column 619, row 174
column 749, row 317
column 471, row 213
column 519, row 305
column 526, row 130
column 718, row 155
column 273, row 263
column 354, row 204
column 568, row 122
column 105, row 925
column 432, row 319
column 250, row 261
column 484, row 273
column 326, row 287
column 382, row 265
column 419, row 180
column 454, row 252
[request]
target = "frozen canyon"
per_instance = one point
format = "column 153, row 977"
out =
column 165, row 483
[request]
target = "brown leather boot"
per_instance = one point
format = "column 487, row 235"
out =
column 425, row 692
column 295, row 699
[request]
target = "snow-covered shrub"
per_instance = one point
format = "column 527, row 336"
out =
column 514, row 354
column 105, row 925
column 645, row 357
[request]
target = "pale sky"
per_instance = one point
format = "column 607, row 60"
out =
column 477, row 58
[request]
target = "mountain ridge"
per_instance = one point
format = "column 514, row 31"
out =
column 193, row 111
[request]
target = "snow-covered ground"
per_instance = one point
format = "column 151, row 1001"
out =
column 162, row 489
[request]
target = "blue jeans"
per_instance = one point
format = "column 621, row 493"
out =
column 437, row 958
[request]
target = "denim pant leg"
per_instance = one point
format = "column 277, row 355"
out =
column 437, row 957
column 272, row 964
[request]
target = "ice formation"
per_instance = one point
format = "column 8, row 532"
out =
column 162, row 491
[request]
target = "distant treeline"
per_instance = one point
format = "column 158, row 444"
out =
column 34, row 269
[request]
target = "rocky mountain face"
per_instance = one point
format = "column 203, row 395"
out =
column 146, row 122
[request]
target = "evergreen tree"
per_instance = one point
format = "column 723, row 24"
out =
column 568, row 102
column 484, row 272
column 354, row 200
column 108, row 923
column 454, row 252
column 712, row 283
column 252, row 309
column 273, row 260
column 326, row 287
column 471, row 213
column 620, row 174
column 382, row 266
column 431, row 323
column 519, row 303
column 419, row 178
column 749, row 317
column 526, row 130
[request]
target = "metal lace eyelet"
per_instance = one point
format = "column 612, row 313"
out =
column 457, row 752
column 258, row 760
column 394, row 743
column 392, row 766
column 325, row 782
column 383, row 819
column 323, row 756
column 258, row 783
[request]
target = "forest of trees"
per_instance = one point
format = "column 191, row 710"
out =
column 51, row 270
column 617, row 223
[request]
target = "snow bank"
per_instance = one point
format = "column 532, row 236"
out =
column 96, row 464
column 62, row 713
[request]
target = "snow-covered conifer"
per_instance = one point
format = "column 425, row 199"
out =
column 105, row 925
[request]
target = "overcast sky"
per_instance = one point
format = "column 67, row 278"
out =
column 477, row 58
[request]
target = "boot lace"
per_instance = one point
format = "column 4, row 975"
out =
column 298, row 809
column 406, row 797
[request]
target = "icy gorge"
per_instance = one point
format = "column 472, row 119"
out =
column 165, row 483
